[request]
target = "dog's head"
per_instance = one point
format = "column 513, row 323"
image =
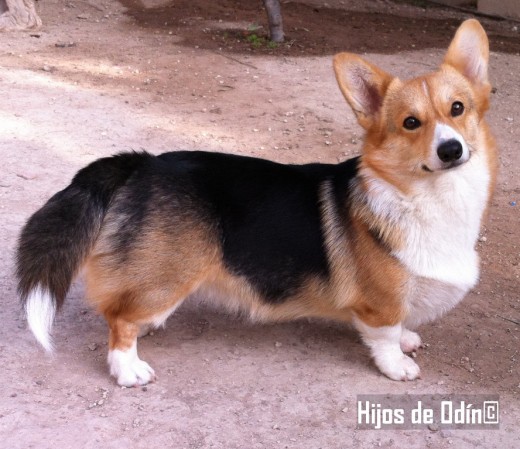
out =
column 424, row 126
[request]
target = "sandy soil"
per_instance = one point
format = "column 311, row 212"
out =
column 103, row 77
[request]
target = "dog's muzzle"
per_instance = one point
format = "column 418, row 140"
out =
column 450, row 151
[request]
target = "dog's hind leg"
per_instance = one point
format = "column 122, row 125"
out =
column 123, row 360
column 127, row 314
column 139, row 284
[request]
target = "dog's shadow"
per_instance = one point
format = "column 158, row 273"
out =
column 198, row 326
column 198, row 330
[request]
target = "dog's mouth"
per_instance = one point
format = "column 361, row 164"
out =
column 446, row 166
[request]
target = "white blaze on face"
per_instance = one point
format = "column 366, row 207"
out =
column 442, row 134
column 426, row 90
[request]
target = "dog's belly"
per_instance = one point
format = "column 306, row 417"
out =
column 429, row 298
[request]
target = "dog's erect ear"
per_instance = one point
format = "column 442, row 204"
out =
column 363, row 85
column 469, row 52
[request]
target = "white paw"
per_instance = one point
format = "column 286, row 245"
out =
column 386, row 343
column 400, row 367
column 410, row 341
column 128, row 369
column 138, row 373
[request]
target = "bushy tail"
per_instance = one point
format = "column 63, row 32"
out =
column 57, row 238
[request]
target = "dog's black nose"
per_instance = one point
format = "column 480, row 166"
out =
column 449, row 151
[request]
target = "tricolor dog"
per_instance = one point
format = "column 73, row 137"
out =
column 385, row 241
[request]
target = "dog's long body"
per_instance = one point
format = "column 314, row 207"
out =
column 385, row 240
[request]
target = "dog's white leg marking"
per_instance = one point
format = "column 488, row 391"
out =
column 128, row 368
column 410, row 341
column 385, row 345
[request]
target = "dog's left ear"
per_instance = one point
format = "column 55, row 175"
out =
column 468, row 53
column 363, row 85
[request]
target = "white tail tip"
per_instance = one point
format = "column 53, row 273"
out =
column 41, row 309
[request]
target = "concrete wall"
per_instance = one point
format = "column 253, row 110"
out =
column 506, row 8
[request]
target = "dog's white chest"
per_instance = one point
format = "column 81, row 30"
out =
column 428, row 299
column 442, row 223
column 441, row 228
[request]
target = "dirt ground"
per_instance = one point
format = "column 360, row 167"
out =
column 105, row 76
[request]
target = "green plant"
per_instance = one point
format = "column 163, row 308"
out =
column 258, row 41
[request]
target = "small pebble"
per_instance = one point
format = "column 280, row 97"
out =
column 65, row 44
column 92, row 346
column 445, row 434
column 433, row 427
column 278, row 344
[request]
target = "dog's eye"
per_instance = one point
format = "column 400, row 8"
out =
column 411, row 123
column 457, row 108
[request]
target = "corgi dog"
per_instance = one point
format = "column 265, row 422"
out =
column 385, row 241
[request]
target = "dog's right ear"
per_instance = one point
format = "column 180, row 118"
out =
column 469, row 52
column 363, row 85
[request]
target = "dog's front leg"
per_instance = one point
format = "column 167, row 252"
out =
column 385, row 343
column 410, row 341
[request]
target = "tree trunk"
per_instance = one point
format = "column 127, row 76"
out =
column 18, row 15
column 274, row 16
